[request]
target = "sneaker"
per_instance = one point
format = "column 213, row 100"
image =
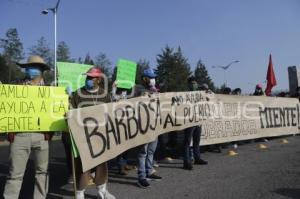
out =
column 235, row 146
column 193, row 160
column 169, row 159
column 187, row 166
column 105, row 195
column 130, row 167
column 200, row 162
column 155, row 164
column 153, row 171
column 70, row 180
column 143, row 183
column 153, row 177
column 80, row 194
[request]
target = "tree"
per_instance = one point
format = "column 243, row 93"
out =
column 202, row 76
column 3, row 70
column 142, row 64
column 173, row 70
column 12, row 46
column 102, row 61
column 88, row 59
column 79, row 60
column 63, row 52
column 220, row 89
column 12, row 53
column 114, row 74
column 43, row 50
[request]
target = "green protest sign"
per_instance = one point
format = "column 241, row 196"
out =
column 70, row 74
column 126, row 73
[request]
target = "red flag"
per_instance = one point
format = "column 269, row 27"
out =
column 271, row 79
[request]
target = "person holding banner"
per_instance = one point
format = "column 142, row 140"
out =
column 258, row 90
column 192, row 133
column 146, row 151
column 91, row 94
column 118, row 94
column 22, row 144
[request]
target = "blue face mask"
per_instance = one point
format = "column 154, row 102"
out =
column 89, row 84
column 32, row 72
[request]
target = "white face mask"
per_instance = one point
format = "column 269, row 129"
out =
column 124, row 94
column 152, row 82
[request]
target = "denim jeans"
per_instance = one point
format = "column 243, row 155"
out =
column 122, row 160
column 189, row 134
column 145, row 159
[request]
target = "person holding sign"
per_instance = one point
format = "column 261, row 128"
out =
column 192, row 133
column 119, row 94
column 146, row 151
column 23, row 144
column 123, row 89
column 91, row 94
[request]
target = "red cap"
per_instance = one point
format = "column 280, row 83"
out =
column 93, row 72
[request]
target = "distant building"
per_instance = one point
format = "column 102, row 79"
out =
column 294, row 78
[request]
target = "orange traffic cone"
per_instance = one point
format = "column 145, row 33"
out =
column 262, row 146
column 284, row 141
column 232, row 153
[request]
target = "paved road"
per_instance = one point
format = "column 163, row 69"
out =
column 273, row 173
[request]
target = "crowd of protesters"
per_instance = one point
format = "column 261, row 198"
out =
column 22, row 144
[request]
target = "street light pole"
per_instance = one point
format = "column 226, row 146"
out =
column 54, row 11
column 55, row 51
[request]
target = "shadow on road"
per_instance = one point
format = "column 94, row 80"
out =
column 288, row 192
column 3, row 172
column 119, row 179
column 171, row 166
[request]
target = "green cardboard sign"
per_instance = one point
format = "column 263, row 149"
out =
column 70, row 75
column 126, row 73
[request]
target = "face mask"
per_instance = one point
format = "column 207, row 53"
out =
column 259, row 90
column 89, row 84
column 124, row 94
column 32, row 73
column 152, row 82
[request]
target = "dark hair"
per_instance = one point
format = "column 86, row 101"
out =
column 120, row 90
column 191, row 79
column 236, row 91
column 226, row 90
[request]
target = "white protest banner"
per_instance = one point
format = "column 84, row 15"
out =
column 104, row 131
